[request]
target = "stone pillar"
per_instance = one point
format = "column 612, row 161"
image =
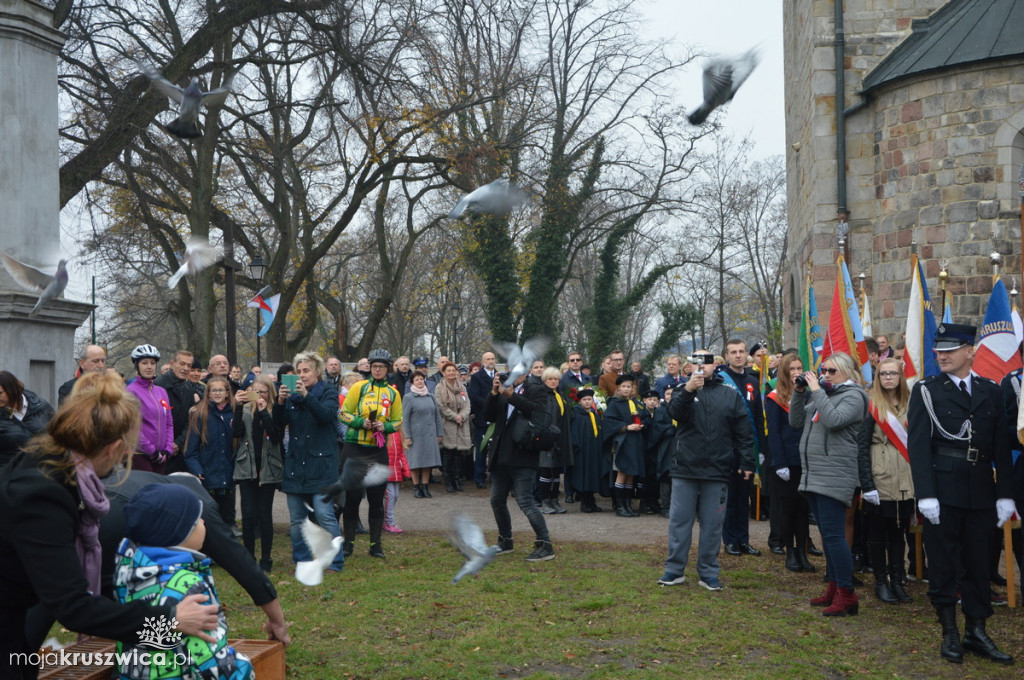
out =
column 39, row 350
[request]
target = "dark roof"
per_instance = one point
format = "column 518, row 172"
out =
column 960, row 32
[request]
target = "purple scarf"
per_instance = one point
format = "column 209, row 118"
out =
column 94, row 506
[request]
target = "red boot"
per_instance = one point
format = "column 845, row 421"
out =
column 844, row 604
column 826, row 599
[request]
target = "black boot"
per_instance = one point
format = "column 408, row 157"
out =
column 951, row 650
column 793, row 560
column 812, row 549
column 448, row 470
column 897, row 575
column 804, row 562
column 627, row 499
column 267, row 565
column 348, row 528
column 376, row 524
column 417, row 491
column 876, row 553
column 426, row 489
column 977, row 641
column 619, row 498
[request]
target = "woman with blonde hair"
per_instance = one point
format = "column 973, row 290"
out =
column 885, row 479
column 831, row 412
column 554, row 459
column 52, row 500
column 209, row 451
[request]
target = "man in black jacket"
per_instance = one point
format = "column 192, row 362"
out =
column 513, row 467
column 479, row 387
column 713, row 434
column 183, row 395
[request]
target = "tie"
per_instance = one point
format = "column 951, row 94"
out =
column 963, row 388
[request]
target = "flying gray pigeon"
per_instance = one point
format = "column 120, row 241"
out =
column 356, row 474
column 520, row 359
column 722, row 77
column 324, row 548
column 186, row 125
column 49, row 286
column 199, row 255
column 497, row 198
column 469, row 539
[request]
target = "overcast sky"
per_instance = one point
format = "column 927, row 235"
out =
column 731, row 27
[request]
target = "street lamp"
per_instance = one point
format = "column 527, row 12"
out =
column 257, row 270
column 456, row 310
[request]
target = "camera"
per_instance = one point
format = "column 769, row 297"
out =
column 701, row 359
column 503, row 376
column 800, row 381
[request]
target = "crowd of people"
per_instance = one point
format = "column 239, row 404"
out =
column 713, row 440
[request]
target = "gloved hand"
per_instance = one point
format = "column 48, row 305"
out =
column 929, row 507
column 871, row 497
column 760, row 459
column 783, row 474
column 1005, row 509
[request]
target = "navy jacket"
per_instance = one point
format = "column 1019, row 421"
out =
column 215, row 460
column 311, row 459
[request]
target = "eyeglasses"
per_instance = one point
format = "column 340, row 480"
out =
column 829, row 371
column 218, row 391
column 575, row 359
column 262, row 391
column 889, row 374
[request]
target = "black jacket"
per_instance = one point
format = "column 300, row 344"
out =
column 713, row 436
column 182, row 395
column 501, row 450
column 14, row 433
column 478, row 388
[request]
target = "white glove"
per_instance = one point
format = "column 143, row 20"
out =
column 1005, row 509
column 871, row 497
column 929, row 507
column 760, row 459
column 783, row 474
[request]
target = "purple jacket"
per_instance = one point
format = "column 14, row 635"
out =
column 157, row 431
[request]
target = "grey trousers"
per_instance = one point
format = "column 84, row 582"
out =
column 693, row 499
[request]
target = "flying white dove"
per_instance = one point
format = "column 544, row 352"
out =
column 469, row 539
column 324, row 549
column 520, row 359
column 198, row 256
column 186, row 125
column 357, row 474
column 722, row 77
column 49, row 286
column 498, row 198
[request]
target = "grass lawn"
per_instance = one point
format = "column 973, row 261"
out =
column 593, row 612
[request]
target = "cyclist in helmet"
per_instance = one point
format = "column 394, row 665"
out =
column 156, row 435
column 372, row 411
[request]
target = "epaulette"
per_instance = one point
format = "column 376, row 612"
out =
column 988, row 380
column 931, row 378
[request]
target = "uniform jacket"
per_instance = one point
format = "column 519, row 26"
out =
column 311, row 458
column 215, row 460
column 713, row 433
column 828, row 446
column 157, row 430
column 953, row 481
column 14, row 433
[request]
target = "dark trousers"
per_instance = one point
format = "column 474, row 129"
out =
column 793, row 521
column 257, row 513
column 958, row 556
column 225, row 503
column 831, row 516
column 479, row 455
column 736, row 528
column 519, row 482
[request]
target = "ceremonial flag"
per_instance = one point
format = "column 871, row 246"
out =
column 810, row 345
column 947, row 310
column 997, row 352
column 844, row 330
column 919, row 354
column 865, row 316
column 268, row 310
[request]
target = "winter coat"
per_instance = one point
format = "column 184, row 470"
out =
column 168, row 574
column 311, row 459
column 156, row 433
column 214, row 461
column 452, row 402
column 501, row 450
column 882, row 467
column 782, row 437
column 268, row 466
column 423, row 426
column 626, row 448
column 828, row 445
column 560, row 411
column 713, row 433
column 14, row 433
column 397, row 461
column 183, row 395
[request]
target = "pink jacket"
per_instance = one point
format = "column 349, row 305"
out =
column 396, row 458
column 157, row 431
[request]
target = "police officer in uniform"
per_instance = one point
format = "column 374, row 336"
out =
column 956, row 432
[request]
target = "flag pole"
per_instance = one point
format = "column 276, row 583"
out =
column 943, row 277
column 996, row 259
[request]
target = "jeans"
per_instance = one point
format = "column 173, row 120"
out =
column 323, row 510
column 257, row 511
column 519, row 482
column 693, row 498
column 831, row 516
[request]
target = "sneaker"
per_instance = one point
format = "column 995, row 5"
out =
column 546, row 507
column 711, row 583
column 998, row 600
column 505, row 545
column 542, row 552
column 235, row 531
column 668, row 579
column 393, row 529
column 347, row 548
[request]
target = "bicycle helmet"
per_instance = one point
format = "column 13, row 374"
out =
column 380, row 356
column 145, row 352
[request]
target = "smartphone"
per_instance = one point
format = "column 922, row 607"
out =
column 290, row 381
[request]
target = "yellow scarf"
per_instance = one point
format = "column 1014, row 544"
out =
column 561, row 405
column 632, row 407
column 593, row 421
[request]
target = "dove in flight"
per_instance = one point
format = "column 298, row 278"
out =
column 497, row 198
column 198, row 256
column 722, row 78
column 520, row 359
column 186, row 125
column 357, row 474
column 48, row 286
column 469, row 539
column 324, row 548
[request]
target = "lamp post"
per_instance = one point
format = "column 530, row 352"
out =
column 456, row 310
column 257, row 270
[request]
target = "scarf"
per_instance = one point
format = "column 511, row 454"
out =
column 94, row 506
column 422, row 391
